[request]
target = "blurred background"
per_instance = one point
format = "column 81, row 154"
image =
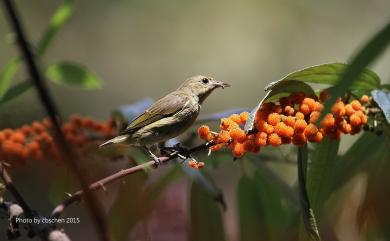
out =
column 144, row 48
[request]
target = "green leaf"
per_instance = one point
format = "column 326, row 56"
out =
column 274, row 91
column 60, row 17
column 206, row 216
column 73, row 74
column 382, row 98
column 307, row 212
column 320, row 173
column 331, row 74
column 7, row 74
column 16, row 91
column 385, row 86
column 363, row 58
column 252, row 221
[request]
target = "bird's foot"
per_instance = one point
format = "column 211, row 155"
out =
column 156, row 160
column 181, row 151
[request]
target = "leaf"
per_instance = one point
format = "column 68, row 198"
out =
column 16, row 91
column 7, row 74
column 206, row 216
column 373, row 48
column 382, row 98
column 59, row 18
column 331, row 74
column 134, row 200
column 276, row 89
column 251, row 214
column 73, row 74
column 320, row 173
column 307, row 212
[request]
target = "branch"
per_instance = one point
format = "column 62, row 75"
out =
column 77, row 196
column 48, row 103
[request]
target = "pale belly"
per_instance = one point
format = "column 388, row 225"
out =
column 164, row 129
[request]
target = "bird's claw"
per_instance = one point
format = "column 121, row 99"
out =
column 177, row 149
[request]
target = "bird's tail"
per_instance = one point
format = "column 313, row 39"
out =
column 115, row 140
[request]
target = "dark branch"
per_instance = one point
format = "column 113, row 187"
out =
column 77, row 196
column 47, row 102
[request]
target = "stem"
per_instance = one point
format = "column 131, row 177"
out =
column 48, row 103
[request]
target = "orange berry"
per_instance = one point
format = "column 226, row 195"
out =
column 328, row 121
column 356, row 105
column 203, row 131
column 288, row 110
column 18, row 137
column 237, row 134
column 314, row 116
column 26, row 130
column 37, row 127
column 310, row 130
column 317, row 137
column 223, row 137
column 200, row 165
column 345, row 127
column 318, row 107
column 349, row 109
column 273, row 119
column 299, row 116
column 216, row 147
column 299, row 139
column 355, row 120
column 47, row 122
column 7, row 132
column 236, row 118
column 238, row 149
column 87, row 122
column 261, row 139
column 289, row 120
column 300, row 126
column 244, row 117
column 267, row 128
column 2, row 136
column 310, row 102
column 76, row 120
column 364, row 99
column 305, row 109
column 338, row 109
column 283, row 130
column 274, row 139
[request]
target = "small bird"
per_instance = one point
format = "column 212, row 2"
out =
column 168, row 117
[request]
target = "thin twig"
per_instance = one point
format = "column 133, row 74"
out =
column 114, row 177
column 47, row 102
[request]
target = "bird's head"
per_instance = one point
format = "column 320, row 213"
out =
column 202, row 86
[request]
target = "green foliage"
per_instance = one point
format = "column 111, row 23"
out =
column 16, row 91
column 73, row 74
column 206, row 216
column 320, row 172
column 331, row 74
column 6, row 76
column 59, row 18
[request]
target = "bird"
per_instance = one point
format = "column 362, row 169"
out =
column 169, row 116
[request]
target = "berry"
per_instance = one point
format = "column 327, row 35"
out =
column 299, row 116
column 236, row 118
column 310, row 130
column 223, row 137
column 299, row 139
column 305, row 109
column 288, row 110
column 238, row 149
column 273, row 119
column 203, row 132
column 314, row 116
column 300, row 126
column 355, row 120
column 289, row 120
column 356, row 105
column 338, row 109
column 364, row 99
column 237, row 134
column 274, row 139
column 244, row 117
column 18, row 137
column 261, row 139
column 349, row 109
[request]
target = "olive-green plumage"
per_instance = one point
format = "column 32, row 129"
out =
column 170, row 116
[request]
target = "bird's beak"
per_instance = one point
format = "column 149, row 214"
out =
column 221, row 84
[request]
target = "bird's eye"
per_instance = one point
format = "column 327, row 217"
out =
column 205, row 81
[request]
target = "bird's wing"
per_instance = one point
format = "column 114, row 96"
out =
column 164, row 107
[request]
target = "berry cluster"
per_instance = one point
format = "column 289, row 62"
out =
column 292, row 119
column 36, row 141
